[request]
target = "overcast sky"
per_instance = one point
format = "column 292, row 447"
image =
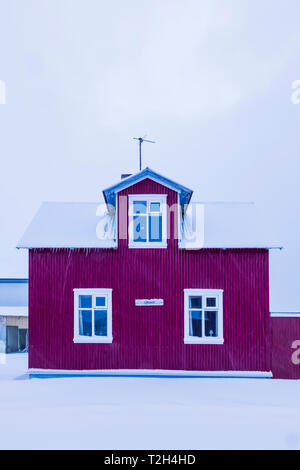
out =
column 210, row 81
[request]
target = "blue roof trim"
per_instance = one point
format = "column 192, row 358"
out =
column 109, row 194
column 13, row 281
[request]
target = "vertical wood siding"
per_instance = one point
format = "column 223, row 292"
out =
column 285, row 331
column 149, row 337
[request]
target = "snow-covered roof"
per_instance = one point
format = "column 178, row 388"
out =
column 13, row 311
column 70, row 225
column 226, row 225
column 85, row 225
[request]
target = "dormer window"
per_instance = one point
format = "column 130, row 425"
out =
column 147, row 221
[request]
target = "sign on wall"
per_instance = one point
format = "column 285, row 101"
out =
column 148, row 302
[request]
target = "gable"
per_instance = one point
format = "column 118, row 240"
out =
column 184, row 193
column 148, row 186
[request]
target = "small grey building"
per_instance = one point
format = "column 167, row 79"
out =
column 13, row 315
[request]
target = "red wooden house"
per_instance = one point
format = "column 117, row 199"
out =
column 154, row 286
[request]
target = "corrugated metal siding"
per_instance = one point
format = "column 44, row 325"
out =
column 149, row 337
column 285, row 331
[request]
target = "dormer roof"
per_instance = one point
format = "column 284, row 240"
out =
column 184, row 193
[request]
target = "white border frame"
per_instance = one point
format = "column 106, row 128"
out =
column 93, row 339
column 206, row 292
column 162, row 199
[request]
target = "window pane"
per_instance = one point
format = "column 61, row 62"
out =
column 211, row 302
column 139, row 207
column 140, row 228
column 155, row 228
column 85, row 301
column 155, row 207
column 211, row 327
column 100, row 301
column 101, row 322
column 85, row 322
column 195, row 302
column 195, row 326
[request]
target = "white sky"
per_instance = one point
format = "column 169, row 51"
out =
column 210, row 81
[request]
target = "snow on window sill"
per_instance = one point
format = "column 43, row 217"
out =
column 203, row 340
column 103, row 339
column 147, row 245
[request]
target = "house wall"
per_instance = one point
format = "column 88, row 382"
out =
column 149, row 337
column 13, row 292
column 2, row 335
column 11, row 328
column 20, row 322
column 286, row 347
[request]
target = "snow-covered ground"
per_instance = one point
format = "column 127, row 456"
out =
column 145, row 413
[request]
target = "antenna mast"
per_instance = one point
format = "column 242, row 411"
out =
column 141, row 140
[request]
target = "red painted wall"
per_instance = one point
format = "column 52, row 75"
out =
column 285, row 347
column 149, row 337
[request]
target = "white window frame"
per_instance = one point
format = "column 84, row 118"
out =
column 149, row 198
column 94, row 293
column 218, row 293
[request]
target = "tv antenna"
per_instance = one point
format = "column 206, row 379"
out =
column 141, row 140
